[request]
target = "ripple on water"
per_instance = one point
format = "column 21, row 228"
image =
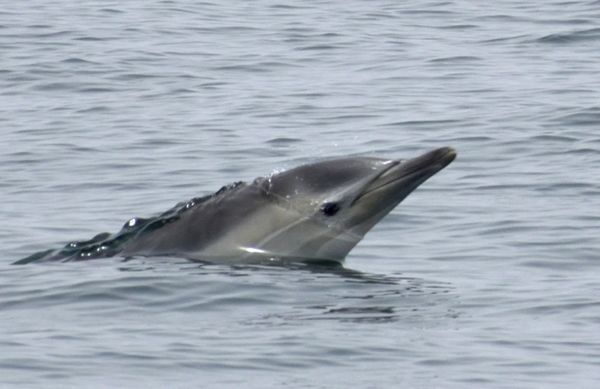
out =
column 576, row 36
column 122, row 108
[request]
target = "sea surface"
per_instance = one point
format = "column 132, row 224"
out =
column 487, row 276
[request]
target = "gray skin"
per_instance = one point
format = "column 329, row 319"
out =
column 318, row 211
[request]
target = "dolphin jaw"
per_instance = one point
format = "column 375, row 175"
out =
column 410, row 173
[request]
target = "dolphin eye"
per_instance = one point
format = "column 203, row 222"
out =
column 330, row 209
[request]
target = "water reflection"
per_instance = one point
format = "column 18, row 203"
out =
column 290, row 292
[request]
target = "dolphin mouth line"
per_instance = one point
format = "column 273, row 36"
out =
column 438, row 159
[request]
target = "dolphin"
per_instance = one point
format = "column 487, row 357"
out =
column 314, row 212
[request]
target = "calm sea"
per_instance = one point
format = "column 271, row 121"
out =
column 488, row 276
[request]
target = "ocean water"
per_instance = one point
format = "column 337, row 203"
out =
column 487, row 276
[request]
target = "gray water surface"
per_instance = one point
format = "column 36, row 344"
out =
column 487, row 276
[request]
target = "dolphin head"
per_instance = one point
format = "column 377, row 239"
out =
column 324, row 209
column 315, row 212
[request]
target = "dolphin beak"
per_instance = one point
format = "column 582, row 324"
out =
column 427, row 164
column 402, row 177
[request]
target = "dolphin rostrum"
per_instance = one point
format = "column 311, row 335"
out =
column 318, row 211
